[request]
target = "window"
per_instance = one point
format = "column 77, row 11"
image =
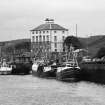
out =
column 55, row 31
column 43, row 32
column 40, row 38
column 47, row 31
column 55, row 38
column 32, row 32
column 36, row 32
column 55, row 50
column 63, row 38
column 33, row 38
column 63, row 32
column 43, row 38
column 47, row 37
column 36, row 38
column 55, row 45
column 40, row 32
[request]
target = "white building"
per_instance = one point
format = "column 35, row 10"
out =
column 48, row 37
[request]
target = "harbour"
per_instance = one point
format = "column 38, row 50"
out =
column 28, row 90
column 52, row 53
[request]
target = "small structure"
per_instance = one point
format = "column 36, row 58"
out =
column 22, row 64
column 23, row 58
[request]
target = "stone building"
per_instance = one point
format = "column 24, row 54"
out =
column 47, row 38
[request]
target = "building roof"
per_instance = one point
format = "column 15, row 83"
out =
column 47, row 26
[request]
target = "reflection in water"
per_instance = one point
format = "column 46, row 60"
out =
column 83, row 89
column 51, row 90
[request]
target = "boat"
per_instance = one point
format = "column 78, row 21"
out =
column 50, row 70
column 37, row 68
column 41, row 68
column 44, row 67
column 5, row 68
column 70, row 69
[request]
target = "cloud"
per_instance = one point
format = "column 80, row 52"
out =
column 19, row 16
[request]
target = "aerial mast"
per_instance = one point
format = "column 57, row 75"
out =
column 76, row 30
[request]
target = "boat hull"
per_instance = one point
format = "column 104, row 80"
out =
column 41, row 73
column 37, row 71
column 5, row 72
column 70, row 74
column 21, row 68
column 44, row 71
column 49, row 71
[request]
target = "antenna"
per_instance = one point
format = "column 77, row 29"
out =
column 76, row 30
column 87, row 46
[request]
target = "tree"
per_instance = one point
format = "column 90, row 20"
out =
column 74, row 41
column 101, row 52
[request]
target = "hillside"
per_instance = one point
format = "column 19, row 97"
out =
column 13, row 42
column 14, row 47
column 93, row 43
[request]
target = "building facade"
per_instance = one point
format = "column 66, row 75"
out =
column 47, row 38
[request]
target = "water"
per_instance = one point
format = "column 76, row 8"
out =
column 29, row 90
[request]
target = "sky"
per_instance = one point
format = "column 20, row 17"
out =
column 17, row 17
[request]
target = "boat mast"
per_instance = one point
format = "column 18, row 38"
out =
column 66, row 50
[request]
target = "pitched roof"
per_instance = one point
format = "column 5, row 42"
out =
column 49, row 27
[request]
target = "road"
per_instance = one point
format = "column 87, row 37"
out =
column 29, row 90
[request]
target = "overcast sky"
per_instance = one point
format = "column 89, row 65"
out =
column 17, row 17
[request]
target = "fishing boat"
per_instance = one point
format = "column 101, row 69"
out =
column 50, row 70
column 69, row 70
column 5, row 68
column 37, row 68
column 42, row 69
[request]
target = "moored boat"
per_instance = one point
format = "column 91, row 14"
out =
column 69, row 70
column 5, row 68
column 37, row 68
column 43, row 69
column 50, row 70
